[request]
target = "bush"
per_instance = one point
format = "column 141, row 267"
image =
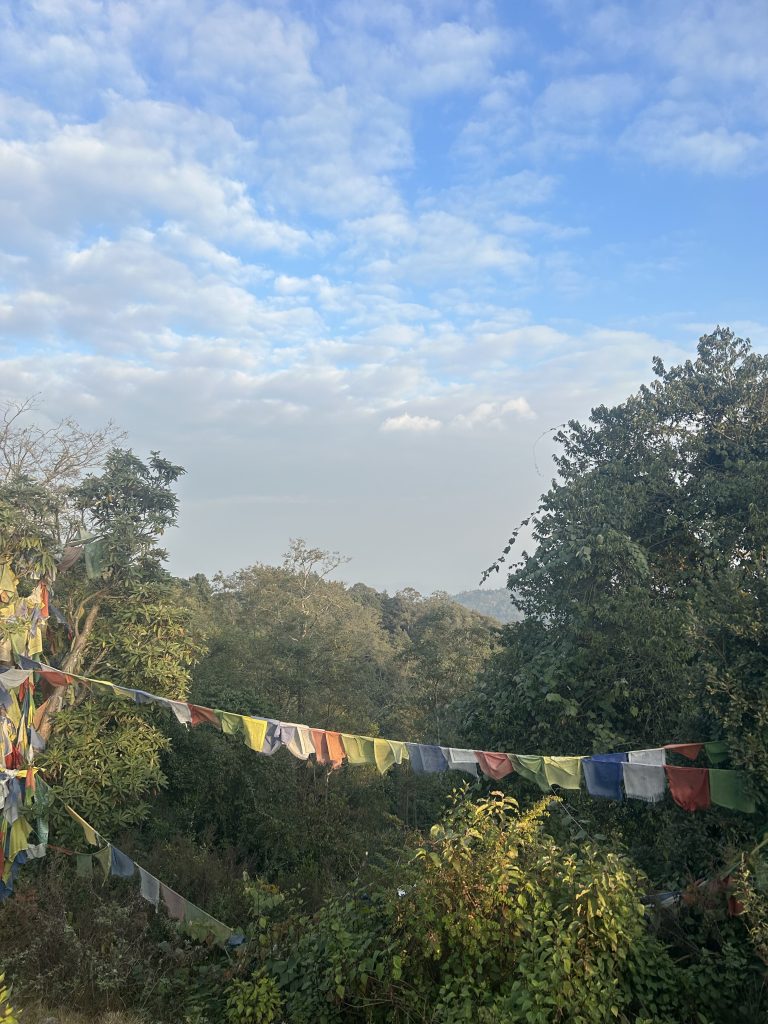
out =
column 255, row 1001
column 490, row 922
column 95, row 948
column 7, row 1012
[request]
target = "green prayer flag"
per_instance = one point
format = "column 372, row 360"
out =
column 201, row 925
column 389, row 752
column 564, row 772
column 231, row 724
column 104, row 858
column 84, row 865
column 95, row 558
column 531, row 767
column 717, row 751
column 359, row 749
column 729, row 789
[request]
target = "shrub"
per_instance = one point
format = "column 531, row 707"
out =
column 7, row 1012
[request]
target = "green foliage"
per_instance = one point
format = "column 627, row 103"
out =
column 646, row 598
column 494, row 922
column 28, row 515
column 104, row 754
column 128, row 506
column 148, row 639
column 292, row 644
column 752, row 893
column 446, row 648
column 7, row 1013
column 104, row 759
column 255, row 1001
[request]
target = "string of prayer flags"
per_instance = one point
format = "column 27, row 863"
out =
column 24, row 801
column 115, row 863
column 637, row 774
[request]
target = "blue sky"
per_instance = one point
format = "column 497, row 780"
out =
column 347, row 261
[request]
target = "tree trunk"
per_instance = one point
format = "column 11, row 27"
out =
column 71, row 663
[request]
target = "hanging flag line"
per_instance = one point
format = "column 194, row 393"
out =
column 114, row 862
column 637, row 774
column 24, row 802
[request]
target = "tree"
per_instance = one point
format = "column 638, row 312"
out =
column 55, row 456
column 118, row 609
column 448, row 646
column 646, row 598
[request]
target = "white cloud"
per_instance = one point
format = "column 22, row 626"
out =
column 412, row 424
column 90, row 173
column 400, row 49
column 277, row 240
column 519, row 406
column 494, row 414
column 676, row 134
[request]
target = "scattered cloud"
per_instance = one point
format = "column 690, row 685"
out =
column 278, row 240
column 413, row 424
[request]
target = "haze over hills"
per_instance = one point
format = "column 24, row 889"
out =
column 496, row 604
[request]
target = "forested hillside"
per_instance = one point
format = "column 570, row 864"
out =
column 518, row 888
column 495, row 603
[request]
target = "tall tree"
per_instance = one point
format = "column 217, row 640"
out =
column 646, row 597
column 91, row 544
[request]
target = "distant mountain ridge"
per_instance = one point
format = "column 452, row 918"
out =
column 496, row 604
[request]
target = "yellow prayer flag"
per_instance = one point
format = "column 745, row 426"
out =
column 91, row 835
column 255, row 732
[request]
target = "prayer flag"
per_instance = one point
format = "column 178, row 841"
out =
column 729, row 789
column 427, row 758
column 493, row 764
column 531, row 767
column 564, row 772
column 689, row 787
column 603, row 775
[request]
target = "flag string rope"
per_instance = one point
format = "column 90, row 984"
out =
column 642, row 774
column 118, row 864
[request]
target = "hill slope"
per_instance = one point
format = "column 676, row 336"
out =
column 497, row 604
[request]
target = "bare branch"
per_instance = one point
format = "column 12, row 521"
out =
column 55, row 456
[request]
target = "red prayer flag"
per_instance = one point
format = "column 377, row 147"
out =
column 328, row 747
column 689, row 787
column 495, row 766
column 320, row 743
column 689, row 750
column 200, row 715
column 53, row 677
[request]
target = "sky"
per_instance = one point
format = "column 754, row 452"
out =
column 350, row 262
